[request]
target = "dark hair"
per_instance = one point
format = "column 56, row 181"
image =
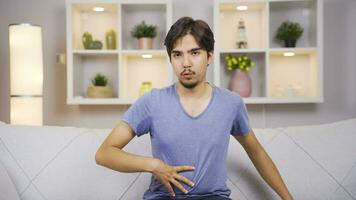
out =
column 199, row 29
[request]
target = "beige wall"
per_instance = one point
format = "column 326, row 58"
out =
column 339, row 67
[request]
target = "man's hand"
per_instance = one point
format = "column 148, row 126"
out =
column 167, row 174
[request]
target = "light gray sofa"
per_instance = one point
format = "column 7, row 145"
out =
column 316, row 162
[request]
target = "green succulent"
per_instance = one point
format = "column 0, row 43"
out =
column 289, row 31
column 99, row 80
column 144, row 30
column 242, row 62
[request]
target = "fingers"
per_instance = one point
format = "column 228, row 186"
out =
column 169, row 188
column 184, row 168
column 184, row 179
column 179, row 186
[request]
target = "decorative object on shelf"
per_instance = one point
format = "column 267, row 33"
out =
column 241, row 35
column 89, row 43
column 26, row 74
column 145, row 34
column 277, row 90
column 146, row 86
column 289, row 32
column 99, row 89
column 240, row 81
column 290, row 90
column 110, row 38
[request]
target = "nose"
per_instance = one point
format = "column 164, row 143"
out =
column 186, row 61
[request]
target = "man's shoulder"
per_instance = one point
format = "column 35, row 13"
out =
column 163, row 90
column 228, row 94
column 156, row 94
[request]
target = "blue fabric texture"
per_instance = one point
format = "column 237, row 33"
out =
column 178, row 138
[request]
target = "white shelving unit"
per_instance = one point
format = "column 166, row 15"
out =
column 275, row 78
column 125, row 66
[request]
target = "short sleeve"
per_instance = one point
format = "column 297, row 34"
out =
column 241, row 124
column 138, row 116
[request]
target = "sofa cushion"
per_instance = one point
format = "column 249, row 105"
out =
column 7, row 188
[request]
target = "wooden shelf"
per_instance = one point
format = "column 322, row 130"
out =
column 126, row 67
column 95, row 52
column 277, row 77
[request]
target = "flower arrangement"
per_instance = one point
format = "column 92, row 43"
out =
column 242, row 62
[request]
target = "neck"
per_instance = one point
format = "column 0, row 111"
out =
column 197, row 92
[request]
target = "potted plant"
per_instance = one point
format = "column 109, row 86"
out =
column 145, row 34
column 99, row 89
column 289, row 32
column 240, row 81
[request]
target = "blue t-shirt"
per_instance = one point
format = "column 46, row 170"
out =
column 178, row 138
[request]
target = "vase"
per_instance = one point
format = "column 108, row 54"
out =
column 146, row 86
column 99, row 92
column 110, row 38
column 290, row 43
column 145, row 43
column 241, row 83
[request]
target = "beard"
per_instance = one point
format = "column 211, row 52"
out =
column 189, row 85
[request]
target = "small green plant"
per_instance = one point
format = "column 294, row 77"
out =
column 144, row 30
column 242, row 62
column 99, row 80
column 289, row 31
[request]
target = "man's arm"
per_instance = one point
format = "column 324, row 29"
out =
column 264, row 164
column 110, row 154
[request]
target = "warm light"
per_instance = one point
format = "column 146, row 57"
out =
column 26, row 74
column 241, row 8
column 26, row 110
column 98, row 9
column 146, row 56
column 289, row 54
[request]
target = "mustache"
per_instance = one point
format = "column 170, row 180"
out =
column 188, row 70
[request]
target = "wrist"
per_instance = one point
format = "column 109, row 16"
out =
column 153, row 164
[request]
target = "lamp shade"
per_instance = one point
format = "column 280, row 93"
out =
column 26, row 74
column 26, row 71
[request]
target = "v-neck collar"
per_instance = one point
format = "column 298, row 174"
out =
column 204, row 111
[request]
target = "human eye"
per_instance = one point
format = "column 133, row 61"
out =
column 175, row 55
column 195, row 53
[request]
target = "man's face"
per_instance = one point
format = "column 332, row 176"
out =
column 189, row 61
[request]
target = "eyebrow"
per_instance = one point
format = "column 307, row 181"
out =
column 191, row 50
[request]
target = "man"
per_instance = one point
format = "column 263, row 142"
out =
column 190, row 123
